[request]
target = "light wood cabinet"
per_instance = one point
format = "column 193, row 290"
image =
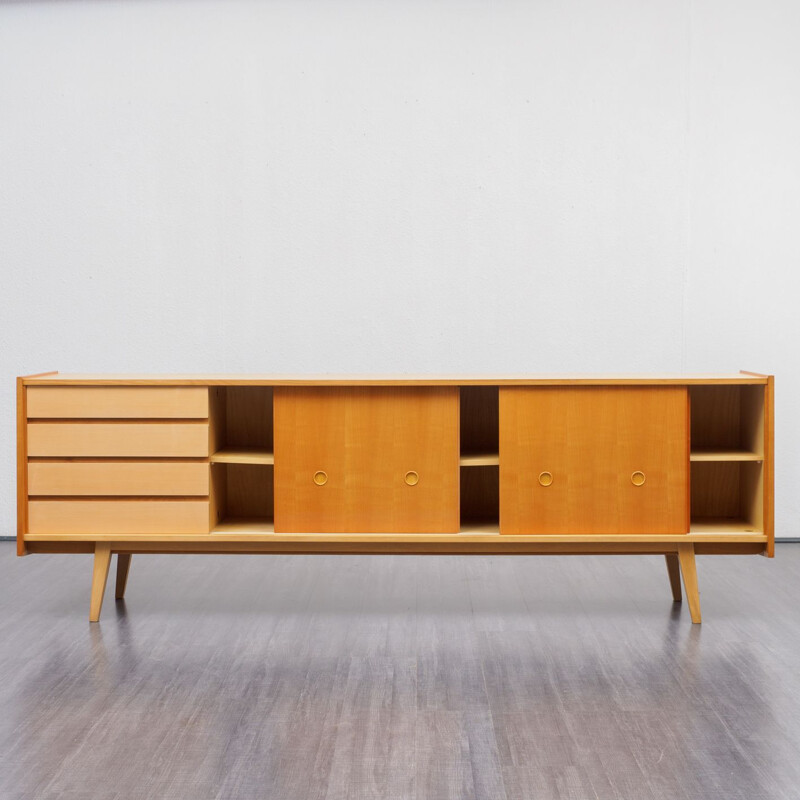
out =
column 500, row 465
column 594, row 460
column 366, row 460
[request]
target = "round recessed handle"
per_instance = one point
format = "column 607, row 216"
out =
column 637, row 478
column 320, row 478
column 412, row 478
column 545, row 478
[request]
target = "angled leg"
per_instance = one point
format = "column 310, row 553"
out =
column 123, row 566
column 689, row 570
column 674, row 572
column 102, row 561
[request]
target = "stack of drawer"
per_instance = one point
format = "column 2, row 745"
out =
column 118, row 459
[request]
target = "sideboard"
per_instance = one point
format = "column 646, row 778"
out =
column 503, row 465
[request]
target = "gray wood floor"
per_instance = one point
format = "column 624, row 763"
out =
column 295, row 678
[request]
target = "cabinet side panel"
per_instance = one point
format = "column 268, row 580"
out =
column 769, row 465
column 22, row 469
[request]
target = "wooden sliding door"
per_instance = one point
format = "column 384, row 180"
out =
column 594, row 460
column 366, row 460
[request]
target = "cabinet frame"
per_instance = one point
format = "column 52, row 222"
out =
column 704, row 537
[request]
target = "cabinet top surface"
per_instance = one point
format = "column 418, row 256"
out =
column 331, row 379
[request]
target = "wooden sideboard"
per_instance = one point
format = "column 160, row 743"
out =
column 671, row 465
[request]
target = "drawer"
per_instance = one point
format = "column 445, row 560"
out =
column 118, row 478
column 117, row 402
column 115, row 439
column 118, row 516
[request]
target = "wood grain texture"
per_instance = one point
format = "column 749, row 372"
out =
column 242, row 455
column 689, row 572
column 123, row 569
column 769, row 467
column 479, row 421
column 22, row 471
column 366, row 440
column 118, row 478
column 118, row 516
column 674, row 573
column 243, row 491
column 592, row 441
column 109, row 402
column 102, row 560
column 327, row 379
column 118, row 439
column 480, row 496
column 22, row 459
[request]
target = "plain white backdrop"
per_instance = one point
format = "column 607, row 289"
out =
column 401, row 186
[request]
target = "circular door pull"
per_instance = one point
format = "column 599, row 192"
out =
column 637, row 478
column 545, row 478
column 412, row 479
column 320, row 478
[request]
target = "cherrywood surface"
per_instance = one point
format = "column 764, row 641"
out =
column 366, row 440
column 592, row 441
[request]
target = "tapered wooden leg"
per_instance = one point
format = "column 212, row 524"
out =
column 674, row 572
column 123, row 565
column 689, row 571
column 102, row 561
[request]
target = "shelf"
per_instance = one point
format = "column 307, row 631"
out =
column 721, row 525
column 724, row 454
column 484, row 459
column 245, row 525
column 243, row 455
column 485, row 527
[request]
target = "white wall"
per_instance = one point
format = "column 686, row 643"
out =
column 330, row 185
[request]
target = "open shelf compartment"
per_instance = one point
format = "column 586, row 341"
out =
column 480, row 459
column 241, row 425
column 727, row 454
column 241, row 460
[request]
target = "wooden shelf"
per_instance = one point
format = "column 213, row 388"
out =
column 486, row 527
column 245, row 525
column 724, row 454
column 721, row 525
column 243, row 455
column 485, row 459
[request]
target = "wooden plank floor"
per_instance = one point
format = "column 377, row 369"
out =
column 302, row 677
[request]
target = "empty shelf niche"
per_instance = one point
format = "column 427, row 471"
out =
column 241, row 419
column 242, row 472
column 480, row 459
column 727, row 451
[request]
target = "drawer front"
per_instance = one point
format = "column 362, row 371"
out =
column 119, row 478
column 118, row 439
column 571, row 459
column 117, row 402
column 363, row 444
column 118, row 516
